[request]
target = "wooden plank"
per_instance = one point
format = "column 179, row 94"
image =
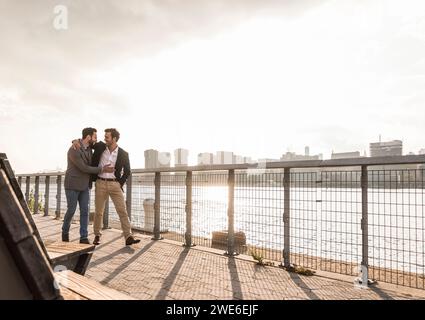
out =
column 68, row 248
column 36, row 270
column 70, row 295
column 5, row 165
column 74, row 256
column 13, row 285
column 54, row 255
column 23, row 246
column 87, row 288
column 11, row 213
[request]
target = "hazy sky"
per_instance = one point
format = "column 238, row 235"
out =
column 255, row 77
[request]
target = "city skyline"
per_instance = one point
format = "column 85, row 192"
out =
column 376, row 149
column 260, row 79
column 162, row 159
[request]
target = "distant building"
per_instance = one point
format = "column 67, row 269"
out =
column 205, row 158
column 389, row 148
column 58, row 169
column 238, row 159
column 422, row 151
column 223, row 157
column 151, row 159
column 164, row 160
column 345, row 155
column 155, row 159
column 181, row 157
column 292, row 156
column 247, row 160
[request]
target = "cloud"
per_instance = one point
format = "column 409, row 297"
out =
column 274, row 71
column 51, row 66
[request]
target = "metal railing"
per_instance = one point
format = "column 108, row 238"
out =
column 360, row 217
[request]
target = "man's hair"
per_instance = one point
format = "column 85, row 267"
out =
column 88, row 132
column 114, row 133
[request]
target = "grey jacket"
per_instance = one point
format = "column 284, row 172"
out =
column 78, row 172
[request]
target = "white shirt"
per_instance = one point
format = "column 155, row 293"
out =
column 108, row 158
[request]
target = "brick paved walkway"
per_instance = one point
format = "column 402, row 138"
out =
column 166, row 270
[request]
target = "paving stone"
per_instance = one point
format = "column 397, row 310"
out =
column 162, row 270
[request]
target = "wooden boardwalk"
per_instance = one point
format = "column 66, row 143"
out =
column 162, row 270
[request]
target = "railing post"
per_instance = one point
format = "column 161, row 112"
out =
column 27, row 188
column 157, row 208
column 58, row 196
column 46, row 195
column 286, row 218
column 188, row 234
column 128, row 195
column 36, row 193
column 106, row 214
column 363, row 278
column 231, row 214
column 20, row 181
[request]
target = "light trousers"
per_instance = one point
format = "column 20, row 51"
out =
column 104, row 190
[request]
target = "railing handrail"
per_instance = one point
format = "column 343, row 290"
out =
column 349, row 162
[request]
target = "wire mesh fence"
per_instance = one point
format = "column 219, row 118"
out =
column 326, row 207
column 340, row 217
column 143, row 197
column 173, row 204
column 258, row 214
column 209, row 209
column 303, row 220
column 397, row 227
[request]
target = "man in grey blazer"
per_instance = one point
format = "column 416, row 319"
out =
column 77, row 178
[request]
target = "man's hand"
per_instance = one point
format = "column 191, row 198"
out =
column 108, row 169
column 76, row 145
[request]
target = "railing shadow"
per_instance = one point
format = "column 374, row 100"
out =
column 380, row 293
column 234, row 279
column 108, row 242
column 108, row 257
column 169, row 280
column 126, row 264
column 296, row 279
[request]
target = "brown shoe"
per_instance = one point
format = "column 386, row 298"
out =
column 96, row 240
column 130, row 240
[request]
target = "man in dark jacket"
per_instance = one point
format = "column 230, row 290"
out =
column 111, row 184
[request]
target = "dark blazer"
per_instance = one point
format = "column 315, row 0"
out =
column 122, row 166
